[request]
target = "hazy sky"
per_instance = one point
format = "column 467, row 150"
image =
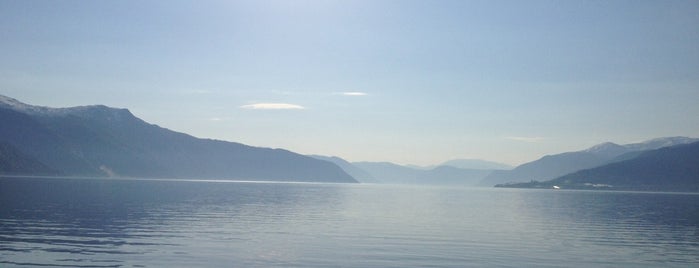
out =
column 415, row 82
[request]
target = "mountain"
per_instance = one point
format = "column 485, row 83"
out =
column 354, row 171
column 14, row 162
column 674, row 168
column 548, row 167
column 553, row 166
column 607, row 150
column 102, row 141
column 476, row 164
column 659, row 143
column 385, row 172
column 448, row 175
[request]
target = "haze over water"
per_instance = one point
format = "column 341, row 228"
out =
column 143, row 223
column 407, row 82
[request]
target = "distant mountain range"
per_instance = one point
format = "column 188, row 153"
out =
column 663, row 164
column 386, row 172
column 102, row 141
column 390, row 173
column 356, row 172
column 99, row 141
column 553, row 166
column 673, row 168
column 476, row 164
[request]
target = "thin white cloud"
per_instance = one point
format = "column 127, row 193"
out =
column 525, row 139
column 215, row 119
column 273, row 106
column 353, row 93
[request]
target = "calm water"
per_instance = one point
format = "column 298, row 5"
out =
column 139, row 223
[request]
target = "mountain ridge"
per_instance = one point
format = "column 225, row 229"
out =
column 672, row 168
column 387, row 172
column 552, row 166
column 356, row 172
column 476, row 164
column 97, row 140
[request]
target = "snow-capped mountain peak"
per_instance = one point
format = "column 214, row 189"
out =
column 608, row 149
column 659, row 143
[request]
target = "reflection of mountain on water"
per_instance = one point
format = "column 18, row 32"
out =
column 86, row 223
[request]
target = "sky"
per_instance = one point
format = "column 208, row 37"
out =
column 410, row 82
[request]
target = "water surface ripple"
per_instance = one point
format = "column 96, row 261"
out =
column 144, row 223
